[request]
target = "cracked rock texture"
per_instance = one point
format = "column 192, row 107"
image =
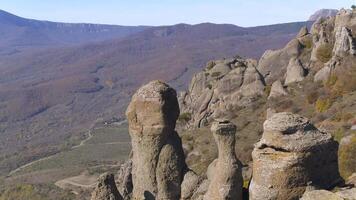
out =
column 106, row 189
column 158, row 160
column 224, row 85
column 291, row 155
column 226, row 175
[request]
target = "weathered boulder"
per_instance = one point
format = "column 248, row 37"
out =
column 124, row 180
column 343, row 194
column 277, row 90
column 303, row 32
column 190, row 184
column 278, row 59
column 320, row 195
column 291, row 155
column 158, row 160
column 223, row 86
column 106, row 189
column 226, row 182
column 345, row 44
column 295, row 71
column 347, row 194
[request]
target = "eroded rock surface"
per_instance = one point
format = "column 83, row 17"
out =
column 226, row 178
column 158, row 159
column 292, row 154
column 106, row 189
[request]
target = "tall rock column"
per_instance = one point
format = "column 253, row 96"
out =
column 226, row 181
column 292, row 155
column 158, row 159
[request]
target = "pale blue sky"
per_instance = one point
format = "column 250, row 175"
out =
column 167, row 12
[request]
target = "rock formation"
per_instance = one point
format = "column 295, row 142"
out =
column 124, row 180
column 344, row 43
column 106, row 189
column 223, row 86
column 158, row 160
column 226, row 179
column 295, row 71
column 323, row 13
column 277, row 90
column 343, row 194
column 291, row 154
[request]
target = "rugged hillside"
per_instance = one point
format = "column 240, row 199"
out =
column 313, row 75
column 20, row 34
column 50, row 97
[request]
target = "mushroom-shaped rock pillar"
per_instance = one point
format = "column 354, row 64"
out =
column 226, row 181
column 158, row 160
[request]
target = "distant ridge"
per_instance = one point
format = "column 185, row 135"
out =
column 323, row 13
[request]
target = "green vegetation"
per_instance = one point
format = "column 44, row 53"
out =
column 185, row 117
column 312, row 97
column 322, row 104
column 324, row 52
column 210, row 65
column 267, row 90
column 108, row 145
column 33, row 192
column 347, row 159
column 353, row 7
column 215, row 74
column 308, row 43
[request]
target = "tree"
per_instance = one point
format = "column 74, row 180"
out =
column 353, row 7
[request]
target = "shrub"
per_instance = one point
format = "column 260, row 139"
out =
column 215, row 74
column 185, row 117
column 312, row 97
column 331, row 81
column 210, row 65
column 322, row 104
column 308, row 43
column 267, row 90
column 324, row 52
column 353, row 7
column 347, row 158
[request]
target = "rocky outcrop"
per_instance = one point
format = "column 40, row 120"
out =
column 190, row 185
column 223, row 86
column 345, row 44
column 277, row 90
column 291, row 154
column 295, row 71
column 124, row 180
column 106, row 189
column 226, row 179
column 323, row 13
column 343, row 194
column 320, row 194
column 278, row 59
column 158, row 160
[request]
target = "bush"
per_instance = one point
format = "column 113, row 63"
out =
column 324, row 52
column 347, row 158
column 210, row 65
column 312, row 97
column 330, row 81
column 267, row 90
column 185, row 117
column 215, row 74
column 322, row 105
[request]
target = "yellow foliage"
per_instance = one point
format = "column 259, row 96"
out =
column 322, row 105
column 347, row 158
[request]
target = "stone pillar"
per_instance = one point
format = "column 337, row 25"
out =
column 291, row 155
column 158, row 158
column 106, row 189
column 226, row 178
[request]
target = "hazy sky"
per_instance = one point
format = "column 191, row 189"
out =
column 167, row 12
